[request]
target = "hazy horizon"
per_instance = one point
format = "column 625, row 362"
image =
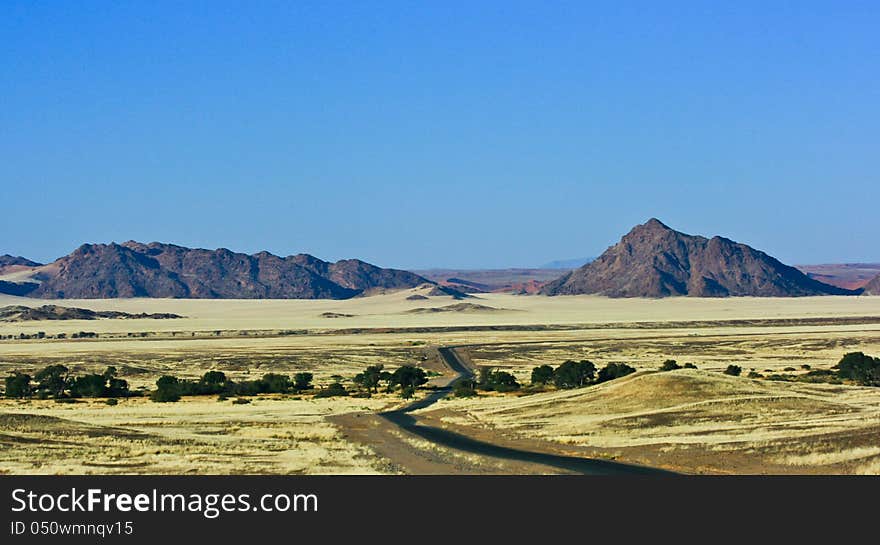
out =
column 448, row 136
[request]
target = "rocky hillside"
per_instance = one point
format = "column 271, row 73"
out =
column 9, row 263
column 873, row 287
column 653, row 260
column 134, row 269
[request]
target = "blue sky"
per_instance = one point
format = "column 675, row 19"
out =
column 467, row 134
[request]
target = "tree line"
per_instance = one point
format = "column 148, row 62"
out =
column 56, row 382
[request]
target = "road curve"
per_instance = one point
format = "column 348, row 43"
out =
column 406, row 421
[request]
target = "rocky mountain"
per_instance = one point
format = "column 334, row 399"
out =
column 872, row 287
column 134, row 269
column 18, row 313
column 653, row 260
column 10, row 263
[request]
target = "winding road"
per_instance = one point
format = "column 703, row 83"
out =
column 406, row 421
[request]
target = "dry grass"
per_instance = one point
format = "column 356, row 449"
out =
column 196, row 435
column 780, row 426
column 771, row 423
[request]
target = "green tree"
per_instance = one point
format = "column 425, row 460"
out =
column 302, row 381
column 274, row 383
column 88, row 386
column 52, row 380
column 18, row 385
column 614, row 371
column 408, row 376
column 167, row 389
column 333, row 390
column 670, row 365
column 370, row 378
column 574, row 374
column 859, row 367
column 542, row 374
column 465, row 388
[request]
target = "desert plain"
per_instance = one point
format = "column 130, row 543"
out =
column 689, row 420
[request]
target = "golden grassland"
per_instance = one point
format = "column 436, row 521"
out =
column 197, row 435
column 689, row 420
column 697, row 421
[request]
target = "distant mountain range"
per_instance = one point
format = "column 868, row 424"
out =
column 133, row 269
column 567, row 263
column 653, row 260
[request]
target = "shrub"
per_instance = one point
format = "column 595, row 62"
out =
column 670, row 365
column 333, row 390
column 465, row 388
column 241, row 401
column 754, row 374
column 112, row 402
column 690, row 366
column 859, row 367
column 733, row 370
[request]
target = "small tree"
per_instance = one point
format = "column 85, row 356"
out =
column 614, row 371
column 670, row 365
column 333, row 390
column 574, row 374
column 274, row 383
column 409, row 376
column 502, row 381
column 370, row 378
column 465, row 388
column 733, row 370
column 18, row 385
column 88, row 386
column 52, row 380
column 167, row 390
column 860, row 368
column 302, row 381
column 542, row 374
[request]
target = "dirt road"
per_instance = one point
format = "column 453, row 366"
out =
column 414, row 447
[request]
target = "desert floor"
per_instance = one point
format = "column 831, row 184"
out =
column 692, row 421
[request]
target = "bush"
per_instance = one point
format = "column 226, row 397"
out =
column 498, row 381
column 613, row 371
column 334, row 390
column 241, row 401
column 859, row 367
column 112, row 402
column 465, row 388
column 690, row 366
column 670, row 365
column 733, row 370
column 754, row 374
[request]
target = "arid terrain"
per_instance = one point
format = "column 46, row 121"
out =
column 687, row 420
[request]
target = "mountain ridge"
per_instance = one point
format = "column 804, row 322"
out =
column 135, row 269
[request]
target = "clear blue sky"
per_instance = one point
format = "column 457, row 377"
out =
column 411, row 134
